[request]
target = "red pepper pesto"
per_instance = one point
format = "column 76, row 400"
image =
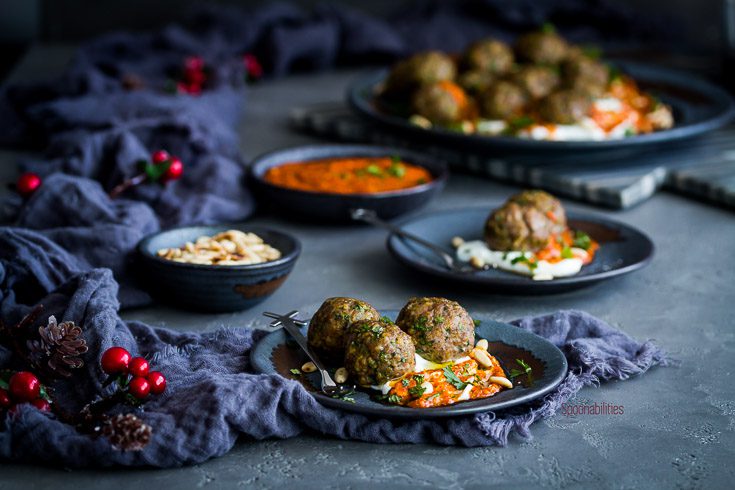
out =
column 563, row 247
column 354, row 175
column 407, row 390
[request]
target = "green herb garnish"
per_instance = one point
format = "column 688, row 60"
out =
column 385, row 319
column 348, row 396
column 295, row 372
column 566, row 253
column 416, row 391
column 525, row 260
column 420, row 325
column 518, row 123
column 395, row 399
column 431, row 397
column 582, row 240
column 405, row 382
column 453, row 379
column 515, row 372
column 477, row 323
column 419, row 378
column 397, row 169
column 373, row 169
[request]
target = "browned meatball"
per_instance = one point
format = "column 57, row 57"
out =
column 503, row 100
column 525, row 222
column 586, row 75
column 565, row 107
column 378, row 351
column 441, row 329
column 329, row 324
column 542, row 47
column 475, row 81
column 420, row 69
column 537, row 81
column 441, row 103
column 490, row 56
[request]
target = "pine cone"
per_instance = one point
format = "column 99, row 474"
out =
column 62, row 343
column 127, row 432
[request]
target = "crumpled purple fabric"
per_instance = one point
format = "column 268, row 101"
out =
column 213, row 396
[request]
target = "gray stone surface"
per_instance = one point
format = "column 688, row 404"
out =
column 678, row 426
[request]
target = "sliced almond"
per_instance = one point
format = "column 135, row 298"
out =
column 504, row 382
column 340, row 375
column 308, row 367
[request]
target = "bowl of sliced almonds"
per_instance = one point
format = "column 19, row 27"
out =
column 216, row 268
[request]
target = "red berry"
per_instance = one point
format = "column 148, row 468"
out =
column 41, row 404
column 27, row 184
column 174, row 171
column 194, row 77
column 5, row 398
column 24, row 386
column 193, row 63
column 160, row 156
column 138, row 367
column 115, row 360
column 252, row 66
column 139, row 388
column 157, row 381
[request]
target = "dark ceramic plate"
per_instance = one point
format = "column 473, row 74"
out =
column 277, row 354
column 623, row 249
column 335, row 207
column 214, row 287
column 699, row 107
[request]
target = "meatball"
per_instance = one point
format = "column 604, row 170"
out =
column 378, row 351
column 502, row 100
column 420, row 69
column 441, row 329
column 490, row 56
column 537, row 81
column 441, row 103
column 542, row 47
column 525, row 222
column 565, row 107
column 328, row 326
column 586, row 75
column 475, row 81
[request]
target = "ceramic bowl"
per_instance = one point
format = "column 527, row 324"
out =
column 214, row 288
column 335, row 207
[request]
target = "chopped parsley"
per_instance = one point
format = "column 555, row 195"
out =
column 420, row 325
column 477, row 323
column 438, row 320
column 518, row 123
column 405, row 382
column 431, row 397
column 525, row 260
column 629, row 132
column 395, row 399
column 386, row 319
column 295, row 372
column 373, row 169
column 348, row 396
column 397, row 169
column 419, row 378
column 416, row 391
column 582, row 240
column 566, row 253
column 453, row 379
column 515, row 372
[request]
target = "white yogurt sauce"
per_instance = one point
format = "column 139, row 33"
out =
column 543, row 271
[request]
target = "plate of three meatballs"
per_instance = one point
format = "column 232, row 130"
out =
column 430, row 359
column 528, row 245
column 541, row 92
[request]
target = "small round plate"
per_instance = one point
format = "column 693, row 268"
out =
column 698, row 105
column 276, row 353
column 336, row 207
column 623, row 249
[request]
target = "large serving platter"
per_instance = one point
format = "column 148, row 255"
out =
column 699, row 107
column 276, row 354
column 623, row 249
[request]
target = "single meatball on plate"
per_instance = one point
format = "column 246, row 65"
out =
column 440, row 328
column 328, row 326
column 378, row 351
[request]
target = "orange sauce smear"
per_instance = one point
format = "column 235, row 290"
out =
column 636, row 104
column 553, row 251
column 361, row 175
column 445, row 393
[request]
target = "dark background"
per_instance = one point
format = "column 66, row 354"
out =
column 23, row 22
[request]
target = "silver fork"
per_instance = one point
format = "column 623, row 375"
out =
column 291, row 324
column 369, row 216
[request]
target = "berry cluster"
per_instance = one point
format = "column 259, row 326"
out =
column 24, row 387
column 132, row 374
column 194, row 76
column 174, row 169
